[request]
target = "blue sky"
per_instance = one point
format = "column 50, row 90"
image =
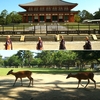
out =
column 89, row 5
column 8, row 53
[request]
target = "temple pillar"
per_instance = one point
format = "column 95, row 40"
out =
column 27, row 18
column 32, row 18
column 63, row 17
column 44, row 17
column 71, row 18
column 51, row 17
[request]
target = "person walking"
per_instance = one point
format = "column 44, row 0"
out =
column 62, row 43
column 39, row 44
column 8, row 44
column 87, row 45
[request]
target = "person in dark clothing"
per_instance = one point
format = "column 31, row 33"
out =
column 8, row 44
column 87, row 45
column 62, row 43
column 39, row 44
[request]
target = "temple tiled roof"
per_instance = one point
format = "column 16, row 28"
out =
column 48, row 2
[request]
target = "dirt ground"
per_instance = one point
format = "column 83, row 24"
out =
column 48, row 87
column 76, row 45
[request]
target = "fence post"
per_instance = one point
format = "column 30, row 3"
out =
column 68, row 29
column 2, row 29
column 57, row 28
column 34, row 29
column 88, row 28
column 78, row 28
column 46, row 29
column 13, row 29
column 99, row 27
column 23, row 28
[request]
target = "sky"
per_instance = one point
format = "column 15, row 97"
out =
column 89, row 5
column 8, row 53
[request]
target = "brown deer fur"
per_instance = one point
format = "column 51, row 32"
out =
column 22, row 74
column 84, row 76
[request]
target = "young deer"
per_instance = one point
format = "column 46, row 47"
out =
column 84, row 76
column 22, row 74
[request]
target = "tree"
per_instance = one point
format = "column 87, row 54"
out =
column 25, row 57
column 16, row 18
column 86, row 15
column 1, row 61
column 8, row 19
column 97, row 14
column 77, row 18
column 20, row 55
column 87, row 56
column 64, row 57
column 14, row 61
column 6, row 62
column 36, row 62
column 28, row 57
column 13, row 17
column 56, row 58
column 3, row 17
column 46, row 57
column 4, row 13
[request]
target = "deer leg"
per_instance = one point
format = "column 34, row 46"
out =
column 82, row 85
column 21, row 82
column 15, row 81
column 32, row 81
column 87, row 83
column 94, row 82
column 78, row 83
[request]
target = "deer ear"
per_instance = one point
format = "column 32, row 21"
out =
column 11, row 70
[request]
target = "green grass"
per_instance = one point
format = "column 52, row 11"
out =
column 4, row 71
column 16, row 26
column 81, row 26
column 68, row 25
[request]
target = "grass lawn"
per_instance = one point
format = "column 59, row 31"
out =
column 22, row 26
column 81, row 26
column 4, row 71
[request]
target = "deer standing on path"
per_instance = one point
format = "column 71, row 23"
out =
column 22, row 74
column 84, row 76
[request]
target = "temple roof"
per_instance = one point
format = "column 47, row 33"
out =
column 48, row 2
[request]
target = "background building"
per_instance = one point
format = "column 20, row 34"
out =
column 48, row 11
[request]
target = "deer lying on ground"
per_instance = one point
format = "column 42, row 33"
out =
column 84, row 76
column 22, row 74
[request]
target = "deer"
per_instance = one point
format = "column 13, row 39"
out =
column 84, row 76
column 22, row 74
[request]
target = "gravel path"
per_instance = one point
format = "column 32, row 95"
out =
column 48, row 87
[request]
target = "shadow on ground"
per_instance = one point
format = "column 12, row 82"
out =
column 55, row 90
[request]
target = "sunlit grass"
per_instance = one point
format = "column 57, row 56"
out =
column 4, row 71
column 73, row 25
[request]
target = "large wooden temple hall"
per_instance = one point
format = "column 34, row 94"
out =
column 48, row 11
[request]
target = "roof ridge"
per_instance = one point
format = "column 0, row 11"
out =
column 48, row 2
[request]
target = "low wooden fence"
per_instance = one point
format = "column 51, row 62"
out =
column 51, row 29
column 17, row 32
column 75, row 32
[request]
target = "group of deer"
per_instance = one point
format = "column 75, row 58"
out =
column 79, row 76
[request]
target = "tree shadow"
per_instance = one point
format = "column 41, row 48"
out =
column 54, row 90
column 61, row 94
